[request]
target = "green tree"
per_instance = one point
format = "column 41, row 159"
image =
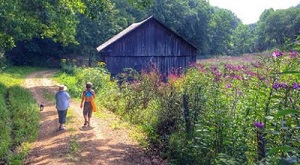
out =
column 243, row 39
column 103, row 20
column 296, row 44
column 27, row 19
column 81, row 25
column 94, row 28
column 276, row 28
column 24, row 20
column 189, row 18
column 221, row 27
column 127, row 14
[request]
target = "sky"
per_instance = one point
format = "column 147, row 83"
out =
column 250, row 10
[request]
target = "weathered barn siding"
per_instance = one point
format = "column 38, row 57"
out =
column 144, row 43
column 164, row 64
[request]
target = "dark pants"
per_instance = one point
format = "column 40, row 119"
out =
column 62, row 115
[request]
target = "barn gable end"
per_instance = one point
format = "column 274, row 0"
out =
column 146, row 43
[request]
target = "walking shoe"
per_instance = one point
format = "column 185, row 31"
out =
column 85, row 124
column 62, row 128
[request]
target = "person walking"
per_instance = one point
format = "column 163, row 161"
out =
column 87, row 97
column 62, row 104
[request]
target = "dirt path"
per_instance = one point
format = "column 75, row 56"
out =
column 99, row 145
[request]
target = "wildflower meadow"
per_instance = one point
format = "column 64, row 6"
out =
column 244, row 112
column 226, row 112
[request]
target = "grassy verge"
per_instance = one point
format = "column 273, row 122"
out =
column 5, row 129
column 19, row 115
column 15, row 75
column 73, row 140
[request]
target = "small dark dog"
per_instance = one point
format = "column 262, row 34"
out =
column 42, row 107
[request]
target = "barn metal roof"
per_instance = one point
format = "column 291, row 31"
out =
column 121, row 34
column 129, row 29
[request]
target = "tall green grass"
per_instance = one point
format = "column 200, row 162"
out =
column 5, row 129
column 24, row 115
column 19, row 116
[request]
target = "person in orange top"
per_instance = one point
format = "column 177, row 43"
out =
column 87, row 96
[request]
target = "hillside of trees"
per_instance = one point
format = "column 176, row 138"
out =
column 40, row 33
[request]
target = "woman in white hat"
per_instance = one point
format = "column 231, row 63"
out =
column 62, row 104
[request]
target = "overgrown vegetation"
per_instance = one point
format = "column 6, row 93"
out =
column 243, row 112
column 19, row 116
column 221, row 114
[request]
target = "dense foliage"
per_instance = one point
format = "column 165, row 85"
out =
column 226, row 113
column 241, row 112
column 27, row 19
column 75, row 78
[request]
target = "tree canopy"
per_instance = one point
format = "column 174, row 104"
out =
column 55, row 19
column 81, row 25
column 24, row 20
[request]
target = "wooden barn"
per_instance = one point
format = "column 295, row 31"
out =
column 144, row 44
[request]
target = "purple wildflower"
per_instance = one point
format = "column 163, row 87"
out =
column 240, row 67
column 277, row 85
column 261, row 78
column 283, row 85
column 259, row 124
column 228, row 85
column 237, row 77
column 250, row 73
column 228, row 66
column 217, row 74
column 277, row 53
column 214, row 68
column 234, row 68
column 296, row 86
column 293, row 54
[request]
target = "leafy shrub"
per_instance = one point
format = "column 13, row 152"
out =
column 71, row 81
column 182, row 151
column 68, row 66
column 105, row 88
